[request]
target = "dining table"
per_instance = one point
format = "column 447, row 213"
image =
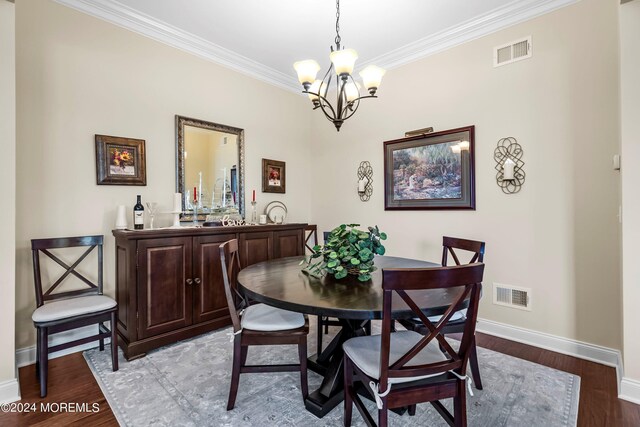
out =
column 282, row 283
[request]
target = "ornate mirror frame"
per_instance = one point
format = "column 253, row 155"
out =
column 181, row 122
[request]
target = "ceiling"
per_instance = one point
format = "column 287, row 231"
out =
column 264, row 38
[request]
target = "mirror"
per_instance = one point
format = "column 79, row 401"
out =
column 209, row 169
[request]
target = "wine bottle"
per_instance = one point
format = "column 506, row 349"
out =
column 138, row 215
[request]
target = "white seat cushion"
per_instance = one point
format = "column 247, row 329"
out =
column 365, row 353
column 61, row 309
column 458, row 315
column 262, row 317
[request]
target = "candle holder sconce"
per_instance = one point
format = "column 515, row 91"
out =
column 508, row 156
column 365, row 181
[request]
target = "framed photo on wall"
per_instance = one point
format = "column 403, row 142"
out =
column 273, row 176
column 120, row 161
column 431, row 171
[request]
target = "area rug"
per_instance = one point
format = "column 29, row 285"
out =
column 187, row 384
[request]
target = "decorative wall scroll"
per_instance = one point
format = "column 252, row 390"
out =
column 365, row 181
column 508, row 156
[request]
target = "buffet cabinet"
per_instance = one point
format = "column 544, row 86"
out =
column 169, row 283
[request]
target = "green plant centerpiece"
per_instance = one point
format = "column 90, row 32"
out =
column 347, row 250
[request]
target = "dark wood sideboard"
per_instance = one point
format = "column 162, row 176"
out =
column 169, row 281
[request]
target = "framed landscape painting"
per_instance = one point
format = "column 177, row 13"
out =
column 273, row 176
column 120, row 161
column 431, row 171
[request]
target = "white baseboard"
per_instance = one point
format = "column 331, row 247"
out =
column 630, row 390
column 582, row 350
column 9, row 391
column 27, row 356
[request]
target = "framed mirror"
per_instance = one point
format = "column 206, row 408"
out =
column 209, row 169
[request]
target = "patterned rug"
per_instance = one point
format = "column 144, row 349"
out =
column 187, row 384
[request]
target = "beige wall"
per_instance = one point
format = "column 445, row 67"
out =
column 560, row 235
column 8, row 191
column 79, row 76
column 630, row 113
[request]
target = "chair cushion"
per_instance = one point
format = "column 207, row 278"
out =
column 458, row 315
column 365, row 353
column 262, row 317
column 62, row 309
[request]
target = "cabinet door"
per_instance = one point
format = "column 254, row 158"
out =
column 209, row 299
column 255, row 247
column 288, row 243
column 164, row 297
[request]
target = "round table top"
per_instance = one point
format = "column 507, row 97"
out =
column 281, row 283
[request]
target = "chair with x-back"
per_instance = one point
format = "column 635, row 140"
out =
column 475, row 250
column 324, row 322
column 66, row 310
column 406, row 368
column 259, row 324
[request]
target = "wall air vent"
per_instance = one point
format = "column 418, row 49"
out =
column 512, row 296
column 512, row 52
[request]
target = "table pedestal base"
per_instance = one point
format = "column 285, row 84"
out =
column 329, row 364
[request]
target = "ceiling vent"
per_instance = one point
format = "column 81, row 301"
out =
column 512, row 296
column 512, row 52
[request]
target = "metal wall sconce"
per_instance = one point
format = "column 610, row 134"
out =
column 508, row 156
column 365, row 181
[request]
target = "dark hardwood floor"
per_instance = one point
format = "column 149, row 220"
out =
column 70, row 380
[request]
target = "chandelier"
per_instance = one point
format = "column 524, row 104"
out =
column 347, row 89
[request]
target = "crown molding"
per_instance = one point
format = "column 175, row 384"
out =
column 510, row 14
column 131, row 19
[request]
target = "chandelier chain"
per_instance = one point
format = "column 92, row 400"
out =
column 338, row 39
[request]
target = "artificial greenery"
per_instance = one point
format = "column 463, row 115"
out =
column 347, row 250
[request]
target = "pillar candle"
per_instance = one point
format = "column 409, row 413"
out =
column 362, row 185
column 508, row 169
column 177, row 202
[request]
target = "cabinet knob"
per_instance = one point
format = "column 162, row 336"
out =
column 197, row 280
column 189, row 281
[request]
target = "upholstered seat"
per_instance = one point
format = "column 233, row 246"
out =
column 72, row 307
column 262, row 317
column 457, row 316
column 364, row 352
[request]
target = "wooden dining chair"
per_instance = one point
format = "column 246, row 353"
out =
column 323, row 323
column 310, row 237
column 457, row 322
column 259, row 324
column 406, row 368
column 63, row 311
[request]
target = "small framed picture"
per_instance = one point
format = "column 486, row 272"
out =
column 120, row 161
column 432, row 171
column 273, row 176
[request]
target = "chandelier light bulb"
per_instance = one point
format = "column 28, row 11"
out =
column 315, row 88
column 351, row 91
column 372, row 77
column 464, row 145
column 307, row 71
column 455, row 149
column 343, row 61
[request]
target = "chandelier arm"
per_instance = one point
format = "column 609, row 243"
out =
column 321, row 106
column 340, row 98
